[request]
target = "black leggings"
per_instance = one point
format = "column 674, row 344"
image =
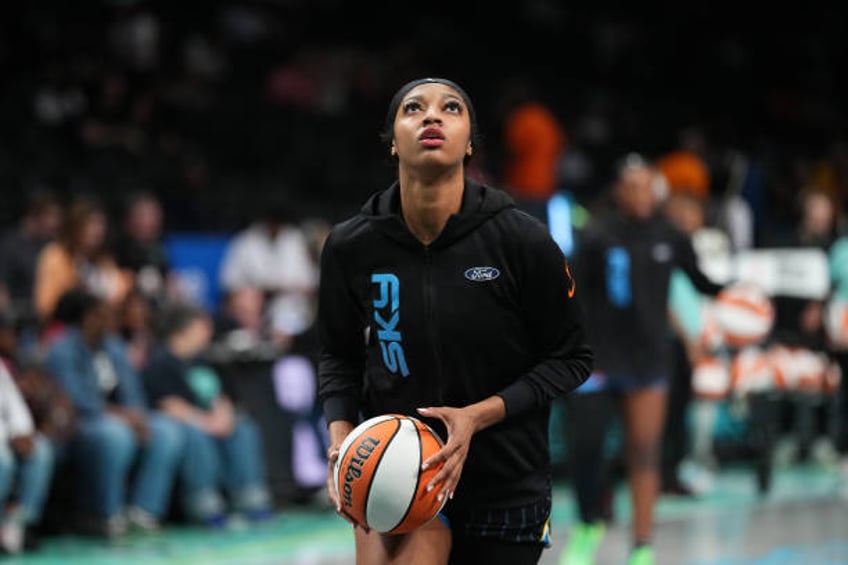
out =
column 477, row 551
column 591, row 415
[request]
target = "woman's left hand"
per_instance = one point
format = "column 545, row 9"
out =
column 461, row 425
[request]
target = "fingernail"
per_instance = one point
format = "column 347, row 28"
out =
column 424, row 466
column 429, row 488
column 450, row 496
column 440, row 497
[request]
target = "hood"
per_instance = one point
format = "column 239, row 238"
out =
column 479, row 203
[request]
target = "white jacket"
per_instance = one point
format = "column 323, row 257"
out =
column 15, row 418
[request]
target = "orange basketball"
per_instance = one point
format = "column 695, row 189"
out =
column 745, row 314
column 711, row 379
column 378, row 474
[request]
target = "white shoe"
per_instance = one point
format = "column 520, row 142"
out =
column 699, row 478
column 824, row 453
column 142, row 520
column 786, row 452
column 12, row 536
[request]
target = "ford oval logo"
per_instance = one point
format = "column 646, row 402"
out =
column 482, row 274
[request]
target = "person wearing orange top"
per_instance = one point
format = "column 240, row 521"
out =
column 534, row 142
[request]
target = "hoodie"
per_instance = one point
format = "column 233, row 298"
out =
column 486, row 309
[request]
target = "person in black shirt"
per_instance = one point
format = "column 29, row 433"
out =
column 223, row 447
column 624, row 264
column 441, row 300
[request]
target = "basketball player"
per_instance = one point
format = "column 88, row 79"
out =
column 626, row 259
column 441, row 300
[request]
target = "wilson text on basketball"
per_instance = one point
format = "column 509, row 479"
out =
column 354, row 468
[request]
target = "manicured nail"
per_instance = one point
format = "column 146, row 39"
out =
column 424, row 466
column 440, row 497
column 450, row 496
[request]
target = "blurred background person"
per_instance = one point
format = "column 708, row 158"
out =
column 135, row 326
column 79, row 258
column 806, row 422
column 534, row 141
column 140, row 249
column 124, row 455
column 223, row 452
column 20, row 247
column 624, row 266
column 26, row 468
column 273, row 255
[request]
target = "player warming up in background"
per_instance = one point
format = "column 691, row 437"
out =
column 624, row 268
column 441, row 300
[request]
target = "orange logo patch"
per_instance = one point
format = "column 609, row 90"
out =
column 571, row 285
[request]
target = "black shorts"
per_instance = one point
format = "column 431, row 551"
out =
column 514, row 535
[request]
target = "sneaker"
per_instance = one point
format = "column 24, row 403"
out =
column 141, row 520
column 786, row 452
column 584, row 543
column 643, row 555
column 12, row 536
column 824, row 453
column 110, row 528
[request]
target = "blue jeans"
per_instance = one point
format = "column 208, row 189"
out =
column 234, row 463
column 107, row 453
column 32, row 474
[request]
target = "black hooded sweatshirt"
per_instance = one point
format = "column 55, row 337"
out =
column 487, row 308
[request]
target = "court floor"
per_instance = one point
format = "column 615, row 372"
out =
column 803, row 520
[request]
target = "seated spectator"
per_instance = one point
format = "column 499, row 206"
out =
column 116, row 431
column 140, row 249
column 19, row 249
column 51, row 409
column 134, row 325
column 223, row 447
column 79, row 259
column 26, row 468
column 273, row 255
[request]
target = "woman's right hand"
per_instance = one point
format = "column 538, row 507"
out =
column 339, row 430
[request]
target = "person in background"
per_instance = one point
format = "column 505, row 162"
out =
column 26, row 465
column 624, row 264
column 273, row 255
column 79, row 259
column 19, row 251
column 807, row 423
column 223, row 446
column 139, row 248
column 135, row 327
column 119, row 444
column 534, row 141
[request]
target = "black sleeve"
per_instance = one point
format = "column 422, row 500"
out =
column 554, row 319
column 687, row 260
column 341, row 340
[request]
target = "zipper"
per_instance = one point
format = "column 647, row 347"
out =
column 430, row 312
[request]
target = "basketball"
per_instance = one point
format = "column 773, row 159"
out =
column 752, row 371
column 799, row 369
column 711, row 379
column 378, row 474
column 744, row 313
